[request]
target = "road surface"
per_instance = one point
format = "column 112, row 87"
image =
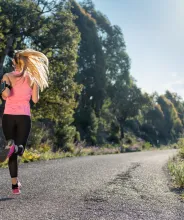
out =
column 110, row 187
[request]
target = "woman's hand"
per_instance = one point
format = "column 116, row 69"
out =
column 35, row 93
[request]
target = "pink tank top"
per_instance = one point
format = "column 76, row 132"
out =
column 18, row 101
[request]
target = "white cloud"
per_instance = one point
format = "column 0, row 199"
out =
column 175, row 86
column 174, row 74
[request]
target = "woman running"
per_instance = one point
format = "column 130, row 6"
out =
column 30, row 74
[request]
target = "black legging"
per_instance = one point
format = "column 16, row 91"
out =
column 16, row 127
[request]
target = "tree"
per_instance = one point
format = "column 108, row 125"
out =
column 18, row 20
column 59, row 40
column 91, row 71
column 49, row 28
column 164, row 119
column 127, row 103
column 178, row 104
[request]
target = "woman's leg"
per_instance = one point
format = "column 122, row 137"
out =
column 23, row 127
column 8, row 125
column 16, row 127
column 13, row 168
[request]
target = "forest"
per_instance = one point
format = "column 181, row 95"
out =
column 92, row 97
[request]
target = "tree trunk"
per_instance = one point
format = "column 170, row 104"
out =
column 122, row 131
column 122, row 122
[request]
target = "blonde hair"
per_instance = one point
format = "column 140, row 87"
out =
column 35, row 64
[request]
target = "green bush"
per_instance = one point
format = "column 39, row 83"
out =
column 146, row 146
column 174, row 146
column 43, row 148
column 130, row 138
column 134, row 148
column 29, row 156
column 64, row 135
column 77, row 136
column 180, row 143
column 181, row 152
column 177, row 171
column 115, row 134
column 38, row 135
column 69, row 147
column 4, row 164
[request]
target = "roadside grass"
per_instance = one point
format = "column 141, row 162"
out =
column 44, row 151
column 176, row 168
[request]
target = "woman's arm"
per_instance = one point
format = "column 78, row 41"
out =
column 6, row 92
column 35, row 93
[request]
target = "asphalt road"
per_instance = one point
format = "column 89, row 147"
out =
column 114, row 187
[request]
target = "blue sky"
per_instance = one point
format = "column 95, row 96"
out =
column 154, row 35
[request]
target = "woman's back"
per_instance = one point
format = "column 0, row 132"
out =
column 18, row 101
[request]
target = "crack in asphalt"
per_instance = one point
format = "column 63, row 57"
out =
column 103, row 194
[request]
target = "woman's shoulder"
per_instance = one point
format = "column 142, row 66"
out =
column 9, row 74
column 7, row 78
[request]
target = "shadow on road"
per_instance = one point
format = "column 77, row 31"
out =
column 5, row 199
column 178, row 190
